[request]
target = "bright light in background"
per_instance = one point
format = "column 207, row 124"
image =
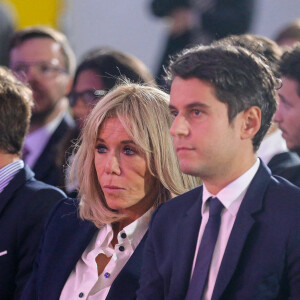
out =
column 33, row 12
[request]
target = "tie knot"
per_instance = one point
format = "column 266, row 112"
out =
column 215, row 206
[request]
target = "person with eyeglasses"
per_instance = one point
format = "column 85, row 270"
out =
column 98, row 72
column 42, row 57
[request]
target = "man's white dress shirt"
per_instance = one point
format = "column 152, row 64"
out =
column 36, row 141
column 231, row 197
column 271, row 145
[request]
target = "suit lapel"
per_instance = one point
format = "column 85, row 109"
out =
column 184, row 249
column 49, row 155
column 19, row 180
column 251, row 204
column 127, row 282
column 72, row 241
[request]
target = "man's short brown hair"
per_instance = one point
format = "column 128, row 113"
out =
column 47, row 32
column 16, row 101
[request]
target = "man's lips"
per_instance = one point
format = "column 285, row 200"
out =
column 184, row 149
column 283, row 132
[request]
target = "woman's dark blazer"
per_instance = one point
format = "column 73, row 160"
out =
column 65, row 238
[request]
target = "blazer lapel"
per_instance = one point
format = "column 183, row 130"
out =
column 251, row 203
column 58, row 266
column 184, row 249
column 19, row 180
column 127, row 282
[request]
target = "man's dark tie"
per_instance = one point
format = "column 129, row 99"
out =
column 206, row 250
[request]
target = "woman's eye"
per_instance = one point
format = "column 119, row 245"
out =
column 101, row 149
column 129, row 151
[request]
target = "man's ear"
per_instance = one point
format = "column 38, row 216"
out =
column 251, row 122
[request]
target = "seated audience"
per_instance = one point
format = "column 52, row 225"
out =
column 24, row 201
column 272, row 150
column 125, row 167
column 288, row 111
column 43, row 58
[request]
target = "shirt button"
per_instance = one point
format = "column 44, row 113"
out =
column 121, row 248
column 81, row 295
column 106, row 275
column 123, row 235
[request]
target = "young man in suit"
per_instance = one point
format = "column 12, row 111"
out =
column 237, row 236
column 24, row 202
column 43, row 58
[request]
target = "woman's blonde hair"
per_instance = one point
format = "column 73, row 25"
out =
column 144, row 113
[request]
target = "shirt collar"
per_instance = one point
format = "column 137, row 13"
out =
column 271, row 145
column 43, row 133
column 136, row 229
column 232, row 195
column 8, row 172
column 134, row 233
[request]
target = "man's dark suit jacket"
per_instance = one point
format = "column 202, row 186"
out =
column 262, row 257
column 292, row 174
column 50, row 165
column 281, row 161
column 24, row 203
column 65, row 238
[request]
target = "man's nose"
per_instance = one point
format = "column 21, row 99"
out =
column 180, row 126
column 278, row 114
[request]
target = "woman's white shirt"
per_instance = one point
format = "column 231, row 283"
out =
column 84, row 282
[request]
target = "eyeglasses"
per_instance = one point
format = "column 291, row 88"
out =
column 44, row 69
column 89, row 97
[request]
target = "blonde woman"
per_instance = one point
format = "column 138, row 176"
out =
column 125, row 167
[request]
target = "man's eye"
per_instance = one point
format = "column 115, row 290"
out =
column 101, row 149
column 173, row 113
column 196, row 112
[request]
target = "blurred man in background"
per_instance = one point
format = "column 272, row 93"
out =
column 43, row 58
column 288, row 111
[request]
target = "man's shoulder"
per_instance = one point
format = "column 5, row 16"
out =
column 39, row 189
column 283, row 190
column 178, row 206
column 292, row 174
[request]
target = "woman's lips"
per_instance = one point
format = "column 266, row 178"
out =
column 112, row 188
